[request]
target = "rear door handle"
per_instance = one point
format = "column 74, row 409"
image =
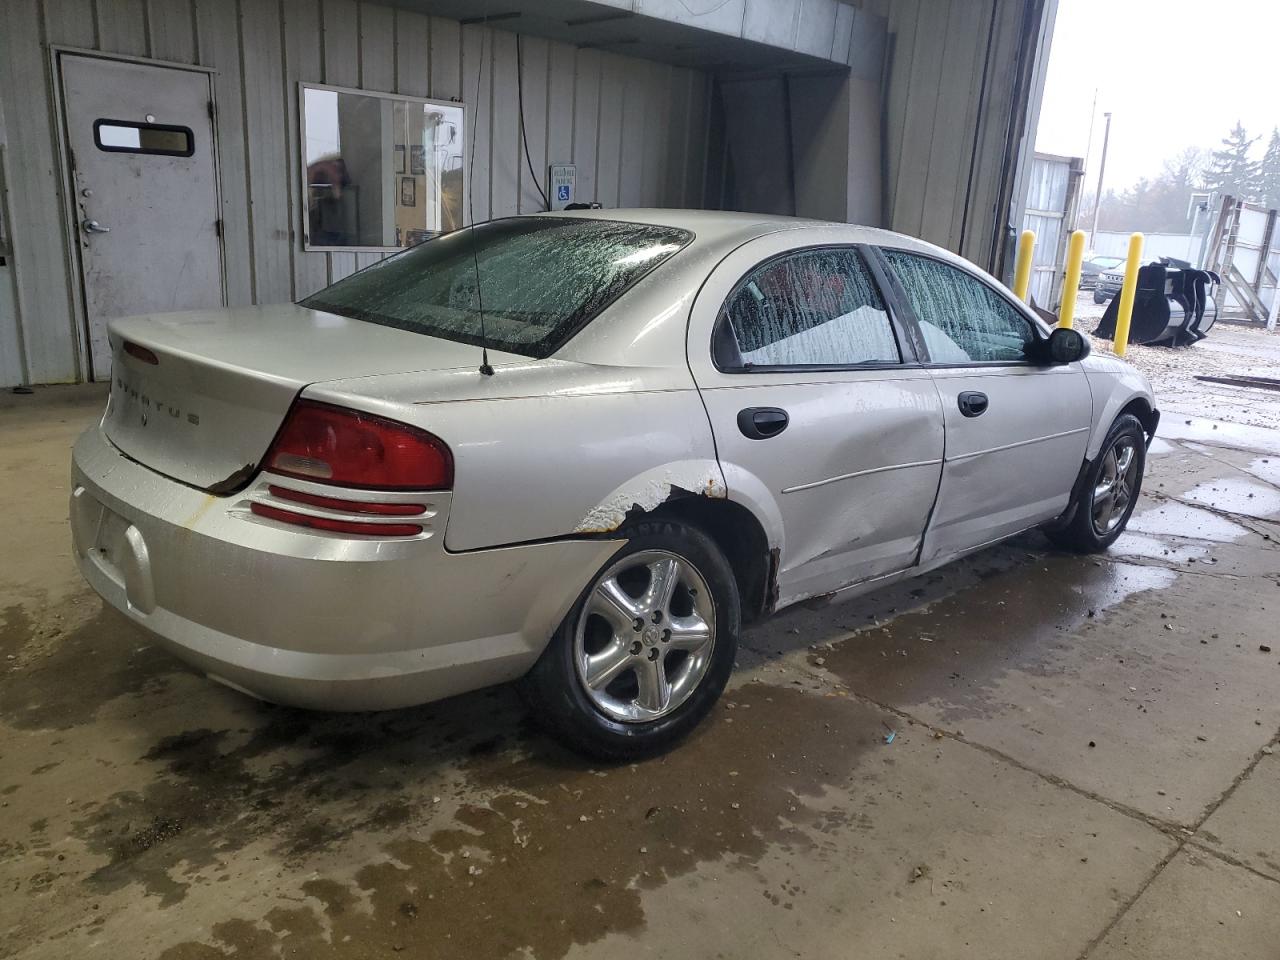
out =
column 972, row 403
column 761, row 423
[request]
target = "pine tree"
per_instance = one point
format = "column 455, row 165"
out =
column 1269, row 172
column 1230, row 169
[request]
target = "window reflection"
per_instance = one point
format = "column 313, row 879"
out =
column 381, row 171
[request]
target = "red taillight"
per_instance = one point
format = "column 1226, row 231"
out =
column 336, row 526
column 348, row 448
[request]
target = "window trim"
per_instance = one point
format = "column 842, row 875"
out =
column 101, row 122
column 1039, row 335
column 905, row 343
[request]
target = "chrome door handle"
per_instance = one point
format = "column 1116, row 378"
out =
column 92, row 226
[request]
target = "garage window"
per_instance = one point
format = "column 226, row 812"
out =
column 158, row 139
column 962, row 319
column 382, row 171
column 815, row 308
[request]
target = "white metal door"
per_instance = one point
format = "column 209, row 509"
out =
column 140, row 139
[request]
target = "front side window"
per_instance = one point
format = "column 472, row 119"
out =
column 812, row 308
column 541, row 279
column 961, row 318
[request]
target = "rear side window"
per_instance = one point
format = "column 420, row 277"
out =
column 812, row 308
column 541, row 279
column 961, row 318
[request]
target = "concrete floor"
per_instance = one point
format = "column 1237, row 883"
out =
column 1082, row 762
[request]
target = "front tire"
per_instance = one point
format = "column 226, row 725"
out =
column 646, row 650
column 1099, row 296
column 1108, row 491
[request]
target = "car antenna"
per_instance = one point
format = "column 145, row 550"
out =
column 485, row 369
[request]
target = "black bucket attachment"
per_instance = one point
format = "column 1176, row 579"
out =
column 1174, row 305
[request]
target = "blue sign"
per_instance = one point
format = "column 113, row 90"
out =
column 562, row 192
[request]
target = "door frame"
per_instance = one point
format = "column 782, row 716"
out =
column 67, row 196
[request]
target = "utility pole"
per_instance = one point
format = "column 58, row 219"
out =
column 1102, row 169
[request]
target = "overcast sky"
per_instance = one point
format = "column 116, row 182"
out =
column 1173, row 73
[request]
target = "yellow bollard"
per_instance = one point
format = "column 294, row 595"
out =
column 1127, row 294
column 1022, row 272
column 1071, row 283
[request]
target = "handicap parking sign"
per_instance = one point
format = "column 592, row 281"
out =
column 562, row 177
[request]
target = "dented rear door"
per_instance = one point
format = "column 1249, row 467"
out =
column 814, row 395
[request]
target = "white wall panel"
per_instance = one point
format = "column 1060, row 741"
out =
column 533, row 79
column 635, row 129
column 171, row 30
column 122, row 27
column 35, row 225
column 477, row 72
column 945, row 160
column 303, row 63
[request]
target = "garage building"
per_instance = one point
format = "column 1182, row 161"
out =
column 172, row 154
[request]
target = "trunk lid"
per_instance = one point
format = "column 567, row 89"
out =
column 207, row 410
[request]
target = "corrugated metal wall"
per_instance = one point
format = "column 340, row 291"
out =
column 956, row 93
column 636, row 129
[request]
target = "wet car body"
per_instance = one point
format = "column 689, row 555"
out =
column 811, row 478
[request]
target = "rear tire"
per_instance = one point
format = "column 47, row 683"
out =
column 1108, row 491
column 1099, row 296
column 646, row 650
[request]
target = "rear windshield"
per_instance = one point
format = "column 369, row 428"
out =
column 541, row 280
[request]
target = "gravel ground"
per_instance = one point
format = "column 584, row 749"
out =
column 1229, row 350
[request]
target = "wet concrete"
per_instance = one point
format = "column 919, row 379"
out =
column 1026, row 754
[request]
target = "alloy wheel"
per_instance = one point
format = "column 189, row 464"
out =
column 644, row 638
column 1114, row 489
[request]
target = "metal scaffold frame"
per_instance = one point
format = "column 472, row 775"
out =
column 1244, row 248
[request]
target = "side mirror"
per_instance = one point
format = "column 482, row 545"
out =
column 1067, row 346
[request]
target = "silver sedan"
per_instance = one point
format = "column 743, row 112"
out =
column 581, row 450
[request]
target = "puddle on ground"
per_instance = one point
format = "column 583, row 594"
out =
column 1266, row 469
column 1262, row 439
column 1180, row 520
column 1235, row 495
column 955, row 652
column 1140, row 545
column 538, row 853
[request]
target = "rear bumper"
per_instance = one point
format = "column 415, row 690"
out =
column 308, row 618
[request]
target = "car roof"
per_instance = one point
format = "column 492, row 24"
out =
column 718, row 226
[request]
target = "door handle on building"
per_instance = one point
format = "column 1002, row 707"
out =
column 92, row 226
